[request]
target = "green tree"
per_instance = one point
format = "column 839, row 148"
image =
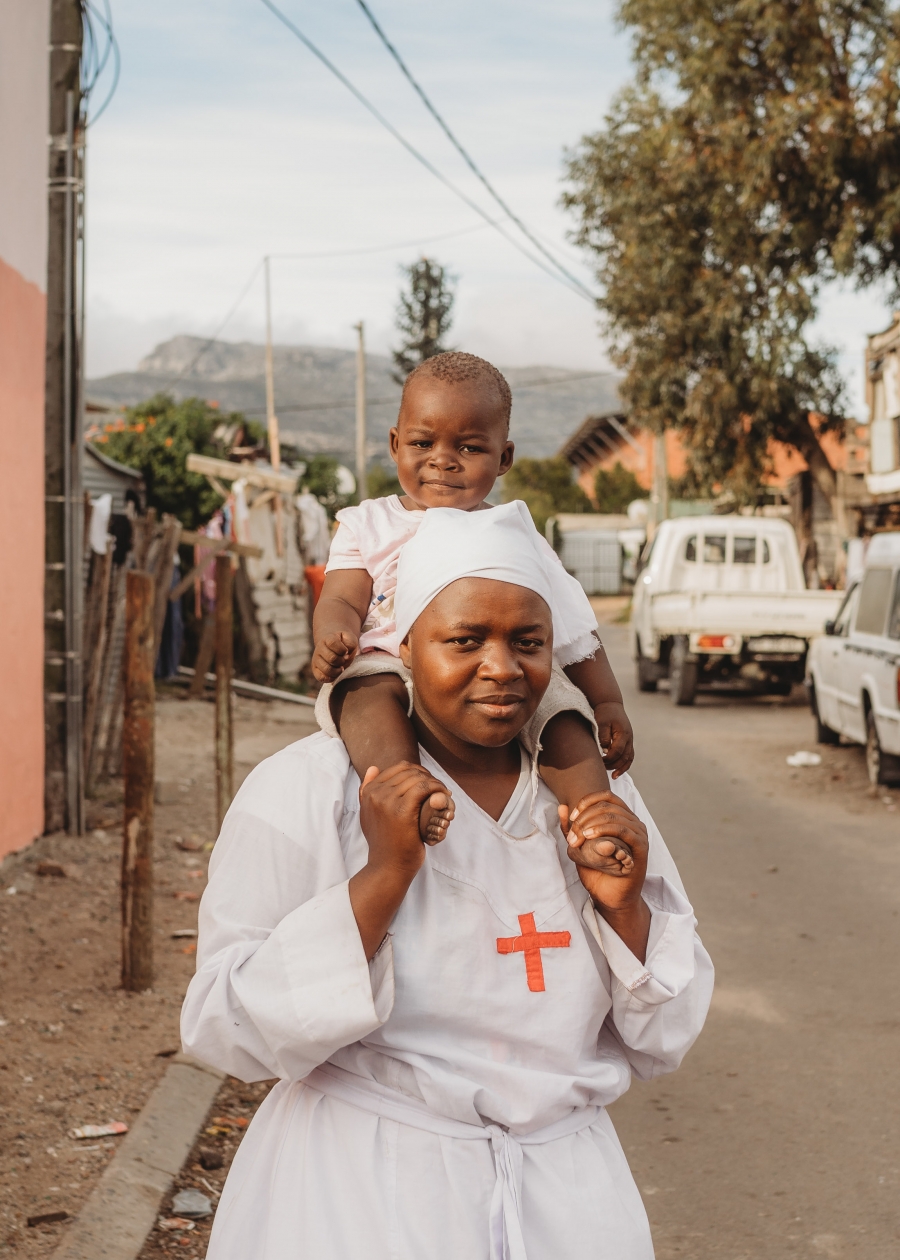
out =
column 381, row 482
column 156, row 437
column 424, row 315
column 755, row 156
column 321, row 479
column 546, row 486
column 615, row 488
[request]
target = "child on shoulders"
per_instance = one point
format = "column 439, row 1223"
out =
column 450, row 444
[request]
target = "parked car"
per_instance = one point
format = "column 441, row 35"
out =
column 721, row 600
column 853, row 675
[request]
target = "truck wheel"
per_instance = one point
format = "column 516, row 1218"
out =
column 824, row 734
column 646, row 672
column 682, row 674
column 883, row 768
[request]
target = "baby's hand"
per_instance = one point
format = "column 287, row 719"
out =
column 333, row 654
column 616, row 736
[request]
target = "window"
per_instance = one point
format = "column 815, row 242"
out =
column 766, row 554
column 846, row 611
column 690, row 550
column 745, row 551
column 894, row 622
column 873, row 601
column 714, row 549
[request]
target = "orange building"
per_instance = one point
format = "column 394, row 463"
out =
column 24, row 93
column 607, row 440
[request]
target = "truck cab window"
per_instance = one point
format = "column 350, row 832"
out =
column 873, row 601
column 714, row 549
column 690, row 550
column 766, row 554
column 745, row 551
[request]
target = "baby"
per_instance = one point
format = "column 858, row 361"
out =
column 450, row 444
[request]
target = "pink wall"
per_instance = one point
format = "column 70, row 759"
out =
column 22, row 316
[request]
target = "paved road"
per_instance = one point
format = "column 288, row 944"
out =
column 779, row 1137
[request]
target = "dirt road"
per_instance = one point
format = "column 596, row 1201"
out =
column 779, row 1136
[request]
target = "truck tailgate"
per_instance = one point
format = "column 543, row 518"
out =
column 801, row 613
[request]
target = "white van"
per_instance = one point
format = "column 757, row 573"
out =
column 721, row 600
column 853, row 674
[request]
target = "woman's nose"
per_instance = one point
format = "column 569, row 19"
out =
column 499, row 664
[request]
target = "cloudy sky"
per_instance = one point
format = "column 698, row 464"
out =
column 226, row 140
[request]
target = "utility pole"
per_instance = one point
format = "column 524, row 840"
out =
column 138, row 761
column 659, row 497
column 63, row 433
column 272, row 419
column 360, row 413
column 224, row 671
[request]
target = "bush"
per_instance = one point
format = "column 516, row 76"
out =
column 615, row 488
column 546, row 486
column 381, row 482
column 156, row 437
column 321, row 479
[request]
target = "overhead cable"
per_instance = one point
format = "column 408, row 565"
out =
column 464, row 154
column 93, row 57
column 574, row 285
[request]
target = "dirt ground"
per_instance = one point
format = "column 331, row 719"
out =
column 74, row 1048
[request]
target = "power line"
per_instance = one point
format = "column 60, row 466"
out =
column 383, row 249
column 93, row 61
column 206, row 345
column 464, row 154
column 574, row 285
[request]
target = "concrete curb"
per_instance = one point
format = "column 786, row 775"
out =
column 118, row 1216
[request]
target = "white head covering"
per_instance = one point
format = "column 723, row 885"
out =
column 501, row 544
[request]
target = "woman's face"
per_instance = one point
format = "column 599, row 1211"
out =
column 481, row 655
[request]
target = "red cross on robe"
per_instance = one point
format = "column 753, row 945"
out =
column 530, row 943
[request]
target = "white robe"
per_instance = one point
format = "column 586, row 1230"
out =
column 441, row 1020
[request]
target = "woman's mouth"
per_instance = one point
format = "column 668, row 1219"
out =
column 504, row 706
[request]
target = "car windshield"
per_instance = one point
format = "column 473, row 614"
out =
column 894, row 622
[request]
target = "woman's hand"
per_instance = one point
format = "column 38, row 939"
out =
column 609, row 846
column 389, row 806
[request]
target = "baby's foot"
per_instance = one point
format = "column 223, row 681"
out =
column 587, row 831
column 435, row 817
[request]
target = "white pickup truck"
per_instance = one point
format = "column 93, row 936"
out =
column 853, row 673
column 720, row 600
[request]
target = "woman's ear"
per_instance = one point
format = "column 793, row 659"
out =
column 406, row 652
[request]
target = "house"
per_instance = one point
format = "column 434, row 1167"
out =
column 24, row 124
column 603, row 441
column 882, row 511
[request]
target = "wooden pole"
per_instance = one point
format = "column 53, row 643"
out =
column 224, row 670
column 138, row 766
column 361, row 490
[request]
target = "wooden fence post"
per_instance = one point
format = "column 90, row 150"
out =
column 224, row 670
column 138, row 767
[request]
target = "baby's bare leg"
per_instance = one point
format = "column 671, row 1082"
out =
column 371, row 715
column 572, row 766
column 570, row 762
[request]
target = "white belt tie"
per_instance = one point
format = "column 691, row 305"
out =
column 506, row 1236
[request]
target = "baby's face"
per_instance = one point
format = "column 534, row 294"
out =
column 450, row 443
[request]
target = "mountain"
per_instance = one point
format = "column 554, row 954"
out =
column 315, row 389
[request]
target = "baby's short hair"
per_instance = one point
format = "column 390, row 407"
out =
column 455, row 365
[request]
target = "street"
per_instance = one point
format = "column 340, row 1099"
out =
column 778, row 1137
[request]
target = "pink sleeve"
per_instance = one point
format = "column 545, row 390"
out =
column 345, row 552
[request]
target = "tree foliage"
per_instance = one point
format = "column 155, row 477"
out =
column 756, row 155
column 322, row 480
column 546, row 486
column 156, row 437
column 381, row 481
column 615, row 488
column 424, row 315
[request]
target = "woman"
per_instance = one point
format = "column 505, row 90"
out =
column 447, row 1024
